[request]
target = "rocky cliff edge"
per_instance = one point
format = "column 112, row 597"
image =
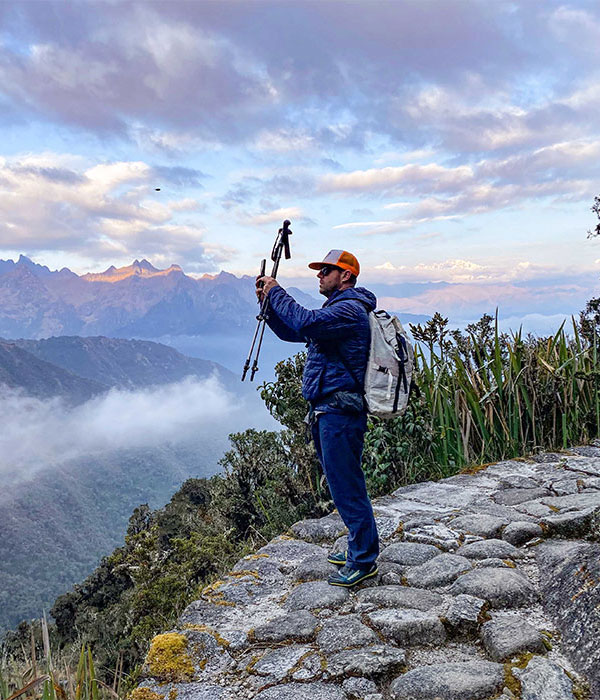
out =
column 488, row 587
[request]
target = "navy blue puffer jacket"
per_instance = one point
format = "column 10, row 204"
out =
column 340, row 329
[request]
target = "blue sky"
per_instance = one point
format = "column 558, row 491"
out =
column 454, row 141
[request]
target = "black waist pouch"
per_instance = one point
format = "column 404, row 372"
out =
column 343, row 402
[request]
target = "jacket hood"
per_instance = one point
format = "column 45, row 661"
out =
column 359, row 293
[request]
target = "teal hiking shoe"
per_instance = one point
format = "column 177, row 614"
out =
column 348, row 577
column 338, row 558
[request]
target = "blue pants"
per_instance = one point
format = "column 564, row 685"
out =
column 339, row 442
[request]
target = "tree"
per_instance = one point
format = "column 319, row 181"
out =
column 596, row 210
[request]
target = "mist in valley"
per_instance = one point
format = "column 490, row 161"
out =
column 40, row 434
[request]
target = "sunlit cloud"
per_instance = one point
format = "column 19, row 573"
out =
column 51, row 201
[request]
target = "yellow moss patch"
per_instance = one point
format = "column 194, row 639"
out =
column 511, row 681
column 244, row 572
column 399, row 531
column 145, row 694
column 212, row 587
column 581, row 689
column 474, row 468
column 173, row 693
column 211, row 594
column 522, row 660
column 547, row 637
column 554, row 509
column 168, row 659
column 252, row 557
column 510, row 563
column 252, row 663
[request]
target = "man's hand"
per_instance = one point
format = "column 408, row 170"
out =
column 264, row 286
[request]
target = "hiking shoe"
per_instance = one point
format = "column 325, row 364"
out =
column 348, row 577
column 338, row 558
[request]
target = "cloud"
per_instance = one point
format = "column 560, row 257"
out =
column 362, row 224
column 54, row 202
column 38, row 434
column 463, row 271
column 134, row 65
column 433, row 176
column 276, row 216
column 200, row 73
column 468, row 301
column 180, row 175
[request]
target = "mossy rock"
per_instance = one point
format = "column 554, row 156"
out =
column 145, row 694
column 168, row 659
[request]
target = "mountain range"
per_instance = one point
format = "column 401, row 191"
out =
column 136, row 301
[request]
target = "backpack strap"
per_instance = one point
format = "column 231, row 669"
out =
column 367, row 308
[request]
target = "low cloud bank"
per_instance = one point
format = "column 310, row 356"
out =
column 37, row 434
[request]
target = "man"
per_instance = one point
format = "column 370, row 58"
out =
column 338, row 338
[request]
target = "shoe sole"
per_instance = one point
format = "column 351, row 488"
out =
column 354, row 583
column 337, row 562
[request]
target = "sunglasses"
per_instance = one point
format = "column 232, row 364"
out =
column 326, row 269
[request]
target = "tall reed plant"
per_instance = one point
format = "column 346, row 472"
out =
column 28, row 677
column 491, row 396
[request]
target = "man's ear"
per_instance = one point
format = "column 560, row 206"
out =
column 346, row 275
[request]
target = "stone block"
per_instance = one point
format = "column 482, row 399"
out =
column 278, row 663
column 302, row 691
column 479, row 524
column 408, row 553
column 512, row 497
column 500, row 587
column 505, row 638
column 358, row 688
column 372, row 662
column 299, row 626
column 314, row 568
column 438, row 535
column 438, row 571
column 570, row 583
column 344, row 632
column 316, row 594
column 408, row 627
column 543, row 680
column 394, row 596
column 321, row 529
column 468, row 680
column 521, row 531
column 288, row 553
column 572, row 524
column 465, row 614
column 485, row 549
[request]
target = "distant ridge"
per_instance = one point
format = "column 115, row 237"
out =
column 127, row 364
column 35, row 377
column 77, row 369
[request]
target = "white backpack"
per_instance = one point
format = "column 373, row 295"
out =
column 389, row 368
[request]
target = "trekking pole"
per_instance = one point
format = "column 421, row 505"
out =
column 281, row 246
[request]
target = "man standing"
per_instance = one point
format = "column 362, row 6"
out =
column 338, row 339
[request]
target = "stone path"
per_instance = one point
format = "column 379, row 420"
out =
column 489, row 587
